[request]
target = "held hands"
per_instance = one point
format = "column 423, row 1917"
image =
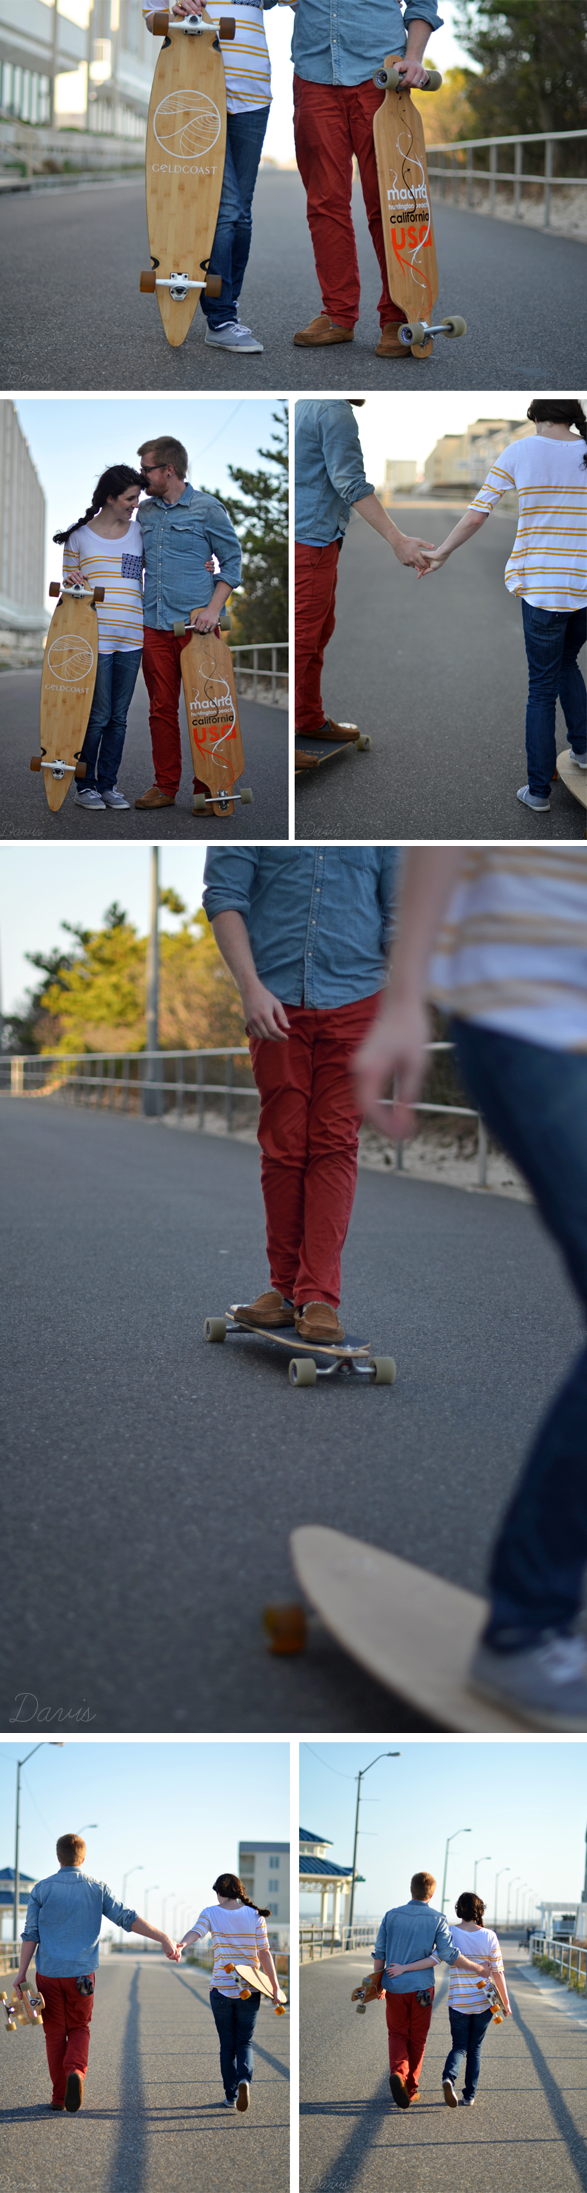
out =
column 434, row 563
column 172, row 1950
column 412, row 551
column 265, row 1015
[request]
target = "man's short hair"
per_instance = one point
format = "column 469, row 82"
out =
column 71, row 1850
column 167, row 451
column 422, row 1886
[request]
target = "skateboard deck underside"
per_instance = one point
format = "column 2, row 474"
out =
column 574, row 778
column 186, row 144
column 287, row 1337
column 309, row 752
column 259, row 1980
column 70, row 664
column 410, row 250
column 410, row 1629
column 212, row 713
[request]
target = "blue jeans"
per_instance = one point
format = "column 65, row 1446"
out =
column 535, row 1101
column 468, row 2028
column 553, row 638
column 235, row 2025
column 232, row 241
column 116, row 678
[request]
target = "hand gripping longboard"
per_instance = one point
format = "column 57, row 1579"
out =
column 213, row 720
column 70, row 664
column 252, row 1978
column 364, row 1994
column 185, row 152
column 406, row 209
column 25, row 2009
column 493, row 2000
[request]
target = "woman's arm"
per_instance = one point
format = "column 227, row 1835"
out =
column 461, row 532
column 267, row 1966
column 395, row 1046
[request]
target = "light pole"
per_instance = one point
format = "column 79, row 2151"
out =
column 511, row 1885
column 480, row 1862
column 166, row 1900
column 55, row 1744
column 360, row 1777
column 502, row 1869
column 126, row 1877
column 450, row 1839
column 523, row 1884
column 151, row 1095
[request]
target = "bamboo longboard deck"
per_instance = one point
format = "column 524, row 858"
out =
column 410, row 1629
column 67, row 690
column 213, row 718
column 186, row 144
column 574, row 778
column 310, row 752
column 410, row 249
column 254, row 1978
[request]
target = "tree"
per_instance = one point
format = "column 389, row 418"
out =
column 260, row 516
column 533, row 60
column 93, row 998
column 449, row 114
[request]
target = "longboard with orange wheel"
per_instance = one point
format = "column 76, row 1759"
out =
column 213, row 720
column 493, row 2000
column 408, row 228
column 253, row 1978
column 574, row 777
column 185, row 151
column 70, row 664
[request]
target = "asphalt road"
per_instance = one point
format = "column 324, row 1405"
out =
column 152, row 2119
column 528, row 2130
column 151, row 1481
column 25, row 813
column 73, row 315
column 435, row 670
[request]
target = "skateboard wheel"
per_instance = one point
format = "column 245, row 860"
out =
column 215, row 1329
column 98, row 593
column 80, row 768
column 199, row 806
column 160, row 22
column 361, row 2010
column 286, row 1627
column 213, row 285
column 179, row 628
column 454, row 326
column 246, row 798
column 226, row 26
column 148, row 282
column 385, row 1370
column 415, row 332
column 54, row 587
column 302, row 1371
column 35, row 764
column 363, row 745
column 280, row 2010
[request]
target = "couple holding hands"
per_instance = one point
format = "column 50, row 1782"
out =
column 412, row 1939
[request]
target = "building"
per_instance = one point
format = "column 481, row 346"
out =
column 264, row 1872
column 317, row 1871
column 94, row 73
column 399, row 478
column 23, row 617
column 461, row 461
column 26, row 1883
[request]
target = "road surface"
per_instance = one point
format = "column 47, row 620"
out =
column 73, row 316
column 25, row 813
column 151, row 1481
column 527, row 2132
column 152, row 2119
column 435, row 670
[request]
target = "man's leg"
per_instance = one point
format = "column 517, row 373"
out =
column 333, row 1141
column 325, row 160
column 397, row 2018
column 316, row 576
column 365, row 101
column 78, row 2015
column 544, row 635
column 572, row 694
column 283, row 1073
column 55, row 2030
column 419, row 2028
column 162, row 673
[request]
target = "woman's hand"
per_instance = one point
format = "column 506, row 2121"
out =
column 393, row 1053
column 171, row 1949
column 435, row 562
column 410, row 550
column 396, row 1969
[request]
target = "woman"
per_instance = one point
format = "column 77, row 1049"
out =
column 469, row 2014
column 548, row 569
column 105, row 548
column 239, row 1935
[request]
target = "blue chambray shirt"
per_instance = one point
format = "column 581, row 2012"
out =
column 342, row 42
column 64, row 1917
column 330, row 473
column 179, row 539
column 413, row 1930
column 319, row 922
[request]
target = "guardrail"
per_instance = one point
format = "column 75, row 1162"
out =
column 568, row 1960
column 459, row 167
column 274, row 680
column 332, row 1941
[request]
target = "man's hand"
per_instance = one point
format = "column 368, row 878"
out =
column 171, row 1949
column 374, row 1992
column 412, row 551
column 412, row 73
column 434, row 563
column 204, row 620
column 264, row 1014
column 393, row 1053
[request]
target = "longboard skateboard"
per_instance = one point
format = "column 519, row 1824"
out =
column 406, row 209
column 70, row 664
column 574, row 778
column 25, row 2009
column 311, row 750
column 359, row 1994
column 493, row 2001
column 213, row 720
column 412, row 1630
column 308, row 1361
column 253, row 1978
column 185, row 151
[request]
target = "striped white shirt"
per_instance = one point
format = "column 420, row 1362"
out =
column 237, row 1937
column 463, row 1991
column 247, row 66
column 548, row 562
column 118, row 567
column 512, row 950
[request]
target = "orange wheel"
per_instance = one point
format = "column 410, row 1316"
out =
column 213, row 285
column 286, row 1627
column 148, row 281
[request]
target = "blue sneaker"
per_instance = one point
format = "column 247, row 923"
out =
column 533, row 799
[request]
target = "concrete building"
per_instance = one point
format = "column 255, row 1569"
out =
column 26, row 1883
column 461, row 461
column 317, row 1871
column 23, row 617
column 264, row 1872
column 94, row 73
column 399, row 478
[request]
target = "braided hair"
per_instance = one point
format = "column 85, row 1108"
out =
column 112, row 482
column 559, row 411
column 228, row 1884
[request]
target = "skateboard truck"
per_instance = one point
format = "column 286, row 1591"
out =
column 78, row 592
column 420, row 331
column 179, row 284
column 59, row 768
column 192, row 25
column 390, row 80
column 221, row 799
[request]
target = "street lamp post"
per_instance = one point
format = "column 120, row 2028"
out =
column 360, row 1777
column 152, row 1885
column 479, row 1862
column 151, row 1095
column 511, row 1885
column 55, row 1744
column 450, row 1839
column 523, row 1884
column 126, row 1877
column 502, row 1869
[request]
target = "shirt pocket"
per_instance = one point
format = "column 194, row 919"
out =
column 358, row 856
column 185, row 539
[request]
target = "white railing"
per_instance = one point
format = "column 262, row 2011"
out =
column 569, row 1959
column 262, row 681
column 331, row 1941
column 457, row 169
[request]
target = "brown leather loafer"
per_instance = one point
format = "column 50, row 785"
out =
column 399, row 2091
column 74, row 2092
column 268, row 1310
column 318, row 1321
column 155, row 798
column 323, row 330
column 389, row 345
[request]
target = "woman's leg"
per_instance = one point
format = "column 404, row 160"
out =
column 219, row 310
column 572, row 694
column 246, row 132
column 245, row 2022
column 125, row 671
column 459, row 2030
column 99, row 718
column 544, row 634
column 478, row 2023
column 224, row 2014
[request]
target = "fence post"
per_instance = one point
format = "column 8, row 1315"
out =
column 229, row 1092
column 455, row 179
column 125, row 1070
column 179, row 1087
column 548, row 162
column 470, row 175
column 200, row 1089
column 518, row 164
column 482, row 1153
column 255, row 672
column 492, row 177
column 274, row 673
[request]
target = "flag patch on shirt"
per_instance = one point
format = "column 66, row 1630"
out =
column 131, row 567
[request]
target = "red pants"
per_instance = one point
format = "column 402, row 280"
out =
column 408, row 2023
column 316, row 576
column 309, row 1134
column 66, row 2019
column 331, row 122
column 162, row 674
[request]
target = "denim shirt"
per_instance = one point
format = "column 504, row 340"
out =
column 330, row 474
column 64, row 1917
column 179, row 539
column 413, row 1931
column 340, row 42
column 319, row 922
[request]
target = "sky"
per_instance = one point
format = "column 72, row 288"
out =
column 527, row 1801
column 175, row 1812
column 72, row 439
column 39, row 890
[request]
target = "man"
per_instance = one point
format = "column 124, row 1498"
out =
column 63, row 1921
column 408, row 1934
column 336, row 48
column 305, row 935
column 330, row 482
column 182, row 530
column 507, row 929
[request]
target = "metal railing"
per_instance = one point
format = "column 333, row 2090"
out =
column 567, row 1959
column 273, row 680
column 331, row 1941
column 458, row 166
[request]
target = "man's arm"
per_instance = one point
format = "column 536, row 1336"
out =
column 264, row 1014
column 395, row 1046
column 407, row 548
column 204, row 620
column 27, row 1951
column 154, row 1934
column 410, row 69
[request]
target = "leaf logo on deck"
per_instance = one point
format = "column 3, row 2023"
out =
column 71, row 659
column 186, row 124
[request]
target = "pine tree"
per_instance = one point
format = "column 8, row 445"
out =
column 533, row 59
column 260, row 514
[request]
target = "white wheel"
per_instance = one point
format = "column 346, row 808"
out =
column 454, row 326
column 246, row 798
column 199, row 806
column 385, row 1370
column 363, row 744
column 302, row 1371
column 215, row 1328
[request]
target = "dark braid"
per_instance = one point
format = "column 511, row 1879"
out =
column 228, row 1884
column 111, row 482
column 559, row 411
